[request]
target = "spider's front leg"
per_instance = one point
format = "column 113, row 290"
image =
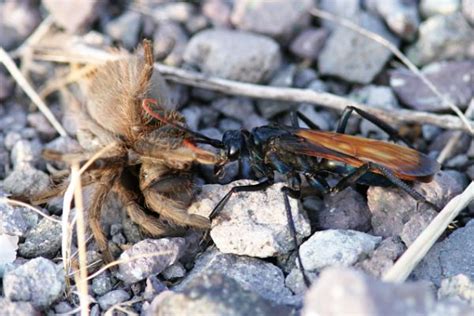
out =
column 169, row 193
column 149, row 224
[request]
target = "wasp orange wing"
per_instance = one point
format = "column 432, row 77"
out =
column 404, row 162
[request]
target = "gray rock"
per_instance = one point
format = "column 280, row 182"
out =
column 442, row 37
column 254, row 120
column 192, row 114
column 295, row 282
column 234, row 55
column 153, row 288
column 168, row 251
column 325, row 120
column 95, row 310
column 457, row 162
column 434, row 7
column 348, row 9
column 459, row 147
column 62, row 307
column 125, row 28
column 44, row 240
column 251, row 274
column 336, row 248
column 344, row 210
column 277, row 18
column 215, row 294
column 41, row 124
column 14, row 118
column 8, row 248
column 25, row 154
column 252, row 223
column 39, row 282
column 10, row 308
column 283, row 78
column 468, row 10
column 11, row 138
column 452, row 308
column 18, row 21
column 6, row 86
column 304, row 76
column 171, row 11
column 449, row 257
column 229, row 124
column 113, row 297
column 354, row 57
column 4, row 165
column 453, row 79
column 102, row 283
column 457, row 287
column 74, row 17
column 309, row 43
column 342, row 291
column 392, row 208
column 169, row 42
column 239, row 108
column 16, row 220
column 197, row 23
column 430, row 132
column 218, row 12
column 378, row 97
column 26, row 182
column 400, row 16
column 383, row 258
column 174, row 271
column 415, row 225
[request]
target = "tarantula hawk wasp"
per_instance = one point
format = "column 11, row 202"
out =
column 308, row 152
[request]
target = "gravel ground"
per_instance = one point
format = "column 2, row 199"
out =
column 347, row 240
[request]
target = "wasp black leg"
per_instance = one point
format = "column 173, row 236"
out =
column 350, row 179
column 294, row 115
column 393, row 133
column 354, row 176
column 318, row 183
column 402, row 185
column 242, row 188
column 291, row 224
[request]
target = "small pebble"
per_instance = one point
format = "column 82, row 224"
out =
column 168, row 251
column 336, row 248
column 39, row 282
column 108, row 300
column 234, row 55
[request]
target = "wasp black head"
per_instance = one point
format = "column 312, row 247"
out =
column 233, row 144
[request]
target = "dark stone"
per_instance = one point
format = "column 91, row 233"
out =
column 454, row 79
column 215, row 294
column 449, row 257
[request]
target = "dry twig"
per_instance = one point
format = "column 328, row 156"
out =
column 81, row 240
column 84, row 54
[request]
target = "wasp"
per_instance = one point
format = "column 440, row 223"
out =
column 311, row 154
column 149, row 168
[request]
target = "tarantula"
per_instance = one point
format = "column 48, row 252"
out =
column 150, row 154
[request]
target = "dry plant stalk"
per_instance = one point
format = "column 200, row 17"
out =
column 84, row 54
